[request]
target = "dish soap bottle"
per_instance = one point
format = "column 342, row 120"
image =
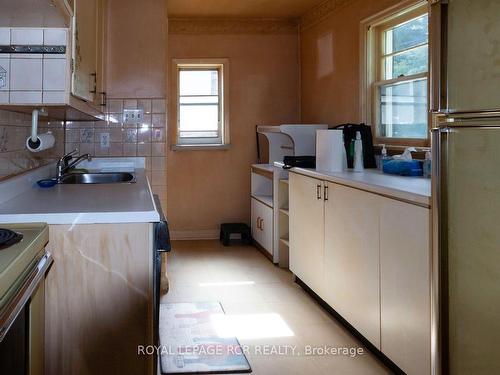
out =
column 358, row 153
column 383, row 158
column 427, row 164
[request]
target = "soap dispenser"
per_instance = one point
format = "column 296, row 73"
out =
column 383, row 157
column 427, row 164
column 358, row 153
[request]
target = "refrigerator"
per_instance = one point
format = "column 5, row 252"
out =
column 465, row 106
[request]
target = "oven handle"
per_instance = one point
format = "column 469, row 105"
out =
column 16, row 304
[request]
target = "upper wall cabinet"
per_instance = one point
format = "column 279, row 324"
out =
column 59, row 68
column 83, row 80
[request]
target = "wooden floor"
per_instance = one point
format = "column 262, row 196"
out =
column 275, row 319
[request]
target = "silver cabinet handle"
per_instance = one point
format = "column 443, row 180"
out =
column 326, row 192
column 16, row 304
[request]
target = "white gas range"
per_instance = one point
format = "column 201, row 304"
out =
column 24, row 264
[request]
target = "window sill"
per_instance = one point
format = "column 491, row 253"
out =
column 200, row 147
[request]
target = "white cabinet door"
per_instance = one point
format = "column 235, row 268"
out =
column 262, row 225
column 85, row 39
column 405, row 285
column 266, row 228
column 256, row 232
column 352, row 258
column 307, row 230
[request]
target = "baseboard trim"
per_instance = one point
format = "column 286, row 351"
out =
column 186, row 235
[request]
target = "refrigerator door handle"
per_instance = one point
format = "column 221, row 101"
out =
column 438, row 301
column 438, row 53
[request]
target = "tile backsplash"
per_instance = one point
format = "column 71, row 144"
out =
column 33, row 77
column 15, row 128
column 145, row 137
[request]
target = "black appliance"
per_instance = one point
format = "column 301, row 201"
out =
column 161, row 245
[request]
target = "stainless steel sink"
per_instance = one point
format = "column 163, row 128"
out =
column 97, row 178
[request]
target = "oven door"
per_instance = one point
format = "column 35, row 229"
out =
column 22, row 323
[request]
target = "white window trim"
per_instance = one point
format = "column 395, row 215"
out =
column 368, row 74
column 223, row 64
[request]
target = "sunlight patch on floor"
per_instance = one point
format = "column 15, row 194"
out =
column 227, row 283
column 251, row 326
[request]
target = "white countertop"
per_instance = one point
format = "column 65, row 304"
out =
column 264, row 167
column 415, row 190
column 77, row 204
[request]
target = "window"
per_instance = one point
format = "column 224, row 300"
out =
column 397, row 82
column 201, row 105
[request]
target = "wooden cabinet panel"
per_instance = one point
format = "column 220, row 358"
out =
column 352, row 258
column 307, row 231
column 405, row 285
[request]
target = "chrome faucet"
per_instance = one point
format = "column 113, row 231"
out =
column 63, row 164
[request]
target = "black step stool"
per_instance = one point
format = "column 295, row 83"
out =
column 227, row 229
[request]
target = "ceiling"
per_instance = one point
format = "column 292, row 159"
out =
column 240, row 8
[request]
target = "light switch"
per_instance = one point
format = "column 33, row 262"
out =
column 133, row 116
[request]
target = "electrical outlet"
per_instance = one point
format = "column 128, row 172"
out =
column 104, row 140
column 133, row 116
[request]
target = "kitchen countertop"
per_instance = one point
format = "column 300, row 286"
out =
column 77, row 204
column 416, row 190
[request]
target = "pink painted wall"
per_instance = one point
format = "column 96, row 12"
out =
column 330, row 64
column 207, row 188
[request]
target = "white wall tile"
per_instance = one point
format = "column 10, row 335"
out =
column 27, row 55
column 4, row 36
column 54, row 97
column 26, row 36
column 4, row 97
column 55, row 37
column 25, row 97
column 4, row 74
column 54, row 74
column 26, row 74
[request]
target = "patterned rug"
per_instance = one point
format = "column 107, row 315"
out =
column 190, row 344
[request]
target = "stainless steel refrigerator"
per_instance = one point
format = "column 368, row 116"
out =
column 465, row 100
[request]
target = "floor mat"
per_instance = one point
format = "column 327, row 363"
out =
column 190, row 343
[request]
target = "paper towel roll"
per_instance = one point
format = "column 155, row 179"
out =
column 44, row 142
column 330, row 150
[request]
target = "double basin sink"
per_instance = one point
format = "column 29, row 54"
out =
column 97, row 178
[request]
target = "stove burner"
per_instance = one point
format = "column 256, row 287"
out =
column 9, row 238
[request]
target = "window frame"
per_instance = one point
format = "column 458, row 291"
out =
column 372, row 55
column 201, row 143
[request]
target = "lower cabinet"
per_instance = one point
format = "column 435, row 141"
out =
column 307, row 231
column 405, row 285
column 352, row 258
column 368, row 257
column 262, row 224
